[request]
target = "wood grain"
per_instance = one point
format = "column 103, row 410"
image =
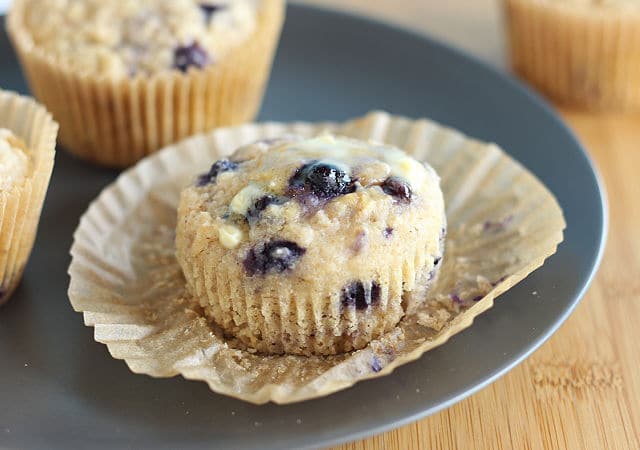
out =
column 581, row 390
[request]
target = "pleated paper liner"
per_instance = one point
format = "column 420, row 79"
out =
column 21, row 205
column 116, row 122
column 503, row 224
column 581, row 54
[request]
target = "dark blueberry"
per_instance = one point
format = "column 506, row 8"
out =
column 376, row 365
column 355, row 294
column 209, row 9
column 324, row 180
column 375, row 293
column 437, row 261
column 455, row 298
column 224, row 165
column 387, row 232
column 477, row 298
column 397, row 188
column 253, row 214
column 273, row 257
column 187, row 56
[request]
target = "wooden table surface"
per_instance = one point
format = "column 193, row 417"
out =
column 580, row 390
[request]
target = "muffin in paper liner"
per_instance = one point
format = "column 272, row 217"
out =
column 580, row 53
column 116, row 122
column 502, row 224
column 21, row 204
column 348, row 258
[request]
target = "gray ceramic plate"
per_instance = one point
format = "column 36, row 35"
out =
column 60, row 389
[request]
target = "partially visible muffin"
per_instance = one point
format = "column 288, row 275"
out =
column 27, row 149
column 122, row 39
column 583, row 53
column 308, row 246
column 126, row 77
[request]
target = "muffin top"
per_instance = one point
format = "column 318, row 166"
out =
column 327, row 210
column 14, row 162
column 124, row 38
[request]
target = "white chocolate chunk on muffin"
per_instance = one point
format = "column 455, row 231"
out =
column 308, row 246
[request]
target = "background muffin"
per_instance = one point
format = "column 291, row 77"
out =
column 126, row 77
column 27, row 150
column 307, row 247
column 581, row 52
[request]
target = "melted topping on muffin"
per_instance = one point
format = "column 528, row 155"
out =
column 14, row 162
column 121, row 38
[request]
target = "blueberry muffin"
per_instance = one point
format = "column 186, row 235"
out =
column 27, row 149
column 583, row 53
column 308, row 246
column 126, row 77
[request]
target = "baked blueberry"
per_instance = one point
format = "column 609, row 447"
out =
column 376, row 365
column 397, row 188
column 254, row 211
column 273, row 257
column 193, row 55
column 223, row 165
column 321, row 179
column 356, row 294
column 209, row 9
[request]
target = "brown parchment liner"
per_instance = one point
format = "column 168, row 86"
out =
column 116, row 122
column 581, row 54
column 20, row 206
column 503, row 224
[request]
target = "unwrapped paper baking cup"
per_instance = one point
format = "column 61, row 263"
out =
column 20, row 206
column 116, row 122
column 503, row 224
column 583, row 54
